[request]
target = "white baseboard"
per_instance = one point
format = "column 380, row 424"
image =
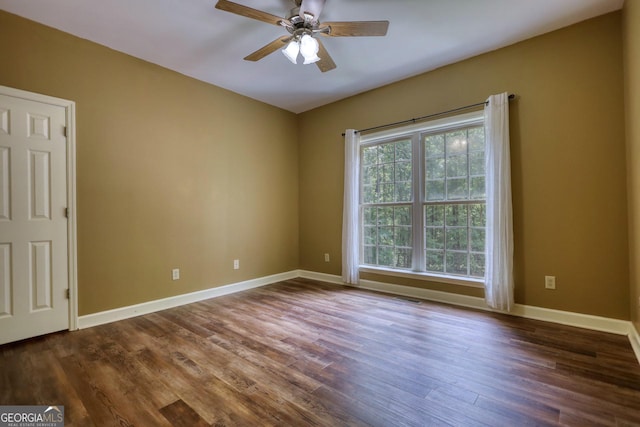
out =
column 634, row 338
column 323, row 277
column 587, row 321
column 122, row 313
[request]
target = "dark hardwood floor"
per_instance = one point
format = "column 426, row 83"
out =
column 305, row 353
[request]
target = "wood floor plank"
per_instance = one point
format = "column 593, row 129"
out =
column 45, row 371
column 307, row 353
column 179, row 414
column 101, row 409
column 214, row 408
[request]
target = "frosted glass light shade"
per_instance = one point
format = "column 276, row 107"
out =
column 291, row 51
column 309, row 49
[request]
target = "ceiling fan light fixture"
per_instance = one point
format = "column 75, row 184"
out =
column 311, row 60
column 291, row 51
column 302, row 23
column 309, row 49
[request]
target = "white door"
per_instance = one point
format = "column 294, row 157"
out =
column 34, row 268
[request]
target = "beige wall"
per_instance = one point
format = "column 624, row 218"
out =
column 568, row 161
column 169, row 173
column 631, row 34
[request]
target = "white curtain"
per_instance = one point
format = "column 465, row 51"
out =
column 350, row 223
column 499, row 238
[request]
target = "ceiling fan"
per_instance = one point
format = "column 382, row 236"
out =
column 303, row 26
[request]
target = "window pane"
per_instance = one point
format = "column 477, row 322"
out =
column 385, row 236
column 456, row 215
column 435, row 261
column 369, row 216
column 403, row 258
column 387, row 192
column 478, row 215
column 457, row 166
column 403, row 151
column 402, row 236
column 476, row 163
column 434, row 238
column 385, row 215
column 385, row 256
column 370, row 235
column 476, row 138
column 434, row 167
column 456, row 142
column 403, row 192
column 477, row 190
column 457, row 189
column 387, row 173
column 370, row 155
column 434, row 215
column 403, row 171
column 369, row 194
column 457, row 238
column 456, row 262
column 434, row 145
column 434, row 190
column 386, row 153
column 369, row 175
column 477, row 265
column 402, row 215
column 477, row 239
column 370, row 255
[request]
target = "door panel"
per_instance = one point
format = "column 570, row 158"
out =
column 40, row 278
column 5, row 280
column 33, row 227
column 5, row 206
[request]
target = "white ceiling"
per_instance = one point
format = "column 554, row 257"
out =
column 195, row 39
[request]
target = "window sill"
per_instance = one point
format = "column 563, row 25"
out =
column 452, row 280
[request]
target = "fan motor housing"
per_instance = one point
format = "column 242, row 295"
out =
column 296, row 20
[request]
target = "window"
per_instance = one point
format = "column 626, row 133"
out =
column 422, row 199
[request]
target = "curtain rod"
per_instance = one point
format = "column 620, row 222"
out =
column 511, row 96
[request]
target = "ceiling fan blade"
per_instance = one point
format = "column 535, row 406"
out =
column 356, row 28
column 278, row 43
column 326, row 63
column 249, row 12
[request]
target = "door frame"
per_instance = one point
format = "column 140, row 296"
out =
column 72, row 232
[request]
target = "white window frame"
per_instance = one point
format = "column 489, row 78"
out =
column 413, row 132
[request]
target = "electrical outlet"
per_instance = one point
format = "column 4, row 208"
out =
column 550, row 282
column 236, row 264
column 327, row 258
column 175, row 274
